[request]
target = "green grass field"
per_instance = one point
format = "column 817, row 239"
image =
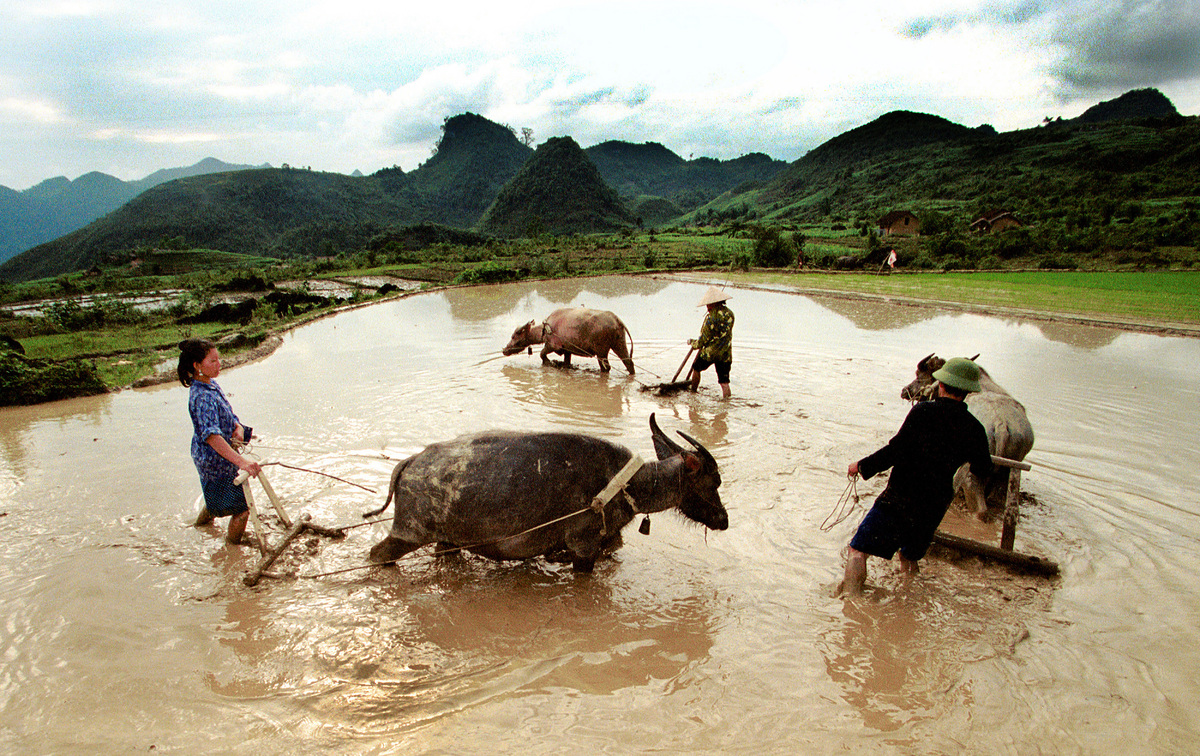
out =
column 1167, row 297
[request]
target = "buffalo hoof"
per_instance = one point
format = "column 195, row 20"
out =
column 579, row 564
column 390, row 549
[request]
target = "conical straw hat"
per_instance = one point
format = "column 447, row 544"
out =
column 712, row 296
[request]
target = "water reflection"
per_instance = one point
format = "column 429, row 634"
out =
column 577, row 392
column 248, row 631
column 17, row 425
column 1083, row 337
column 872, row 315
column 564, row 630
column 908, row 653
column 483, row 303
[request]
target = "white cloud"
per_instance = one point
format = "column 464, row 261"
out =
column 29, row 113
column 351, row 84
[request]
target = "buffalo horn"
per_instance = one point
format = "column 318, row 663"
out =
column 663, row 446
column 704, row 453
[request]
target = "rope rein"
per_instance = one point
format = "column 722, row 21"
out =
column 845, row 506
column 318, row 472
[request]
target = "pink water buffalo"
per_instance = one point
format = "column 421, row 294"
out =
column 577, row 330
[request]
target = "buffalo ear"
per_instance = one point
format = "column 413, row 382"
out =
column 692, row 462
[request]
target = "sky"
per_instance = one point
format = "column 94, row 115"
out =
column 127, row 87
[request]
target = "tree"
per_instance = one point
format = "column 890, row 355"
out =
column 527, row 136
column 770, row 249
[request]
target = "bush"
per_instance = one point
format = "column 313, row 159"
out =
column 488, row 272
column 69, row 315
column 923, row 262
column 771, row 250
column 1057, row 262
column 25, row 381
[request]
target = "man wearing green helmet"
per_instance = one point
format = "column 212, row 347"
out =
column 936, row 438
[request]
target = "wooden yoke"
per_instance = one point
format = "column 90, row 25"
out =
column 615, row 485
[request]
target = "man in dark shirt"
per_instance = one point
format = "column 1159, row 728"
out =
column 936, row 438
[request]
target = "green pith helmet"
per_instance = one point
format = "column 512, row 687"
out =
column 960, row 373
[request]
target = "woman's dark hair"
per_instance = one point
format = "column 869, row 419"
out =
column 192, row 351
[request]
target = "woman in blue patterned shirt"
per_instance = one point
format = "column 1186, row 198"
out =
column 216, row 432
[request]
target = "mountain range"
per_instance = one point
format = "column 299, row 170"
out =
column 483, row 177
column 58, row 205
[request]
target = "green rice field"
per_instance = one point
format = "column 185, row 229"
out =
column 1152, row 297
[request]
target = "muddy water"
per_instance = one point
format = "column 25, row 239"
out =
column 124, row 629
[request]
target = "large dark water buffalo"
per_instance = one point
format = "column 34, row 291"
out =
column 488, row 493
column 1009, row 432
column 576, row 330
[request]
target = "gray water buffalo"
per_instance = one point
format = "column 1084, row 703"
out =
column 491, row 493
column 576, row 330
column 1009, row 432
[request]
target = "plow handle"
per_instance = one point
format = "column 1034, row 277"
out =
column 685, row 359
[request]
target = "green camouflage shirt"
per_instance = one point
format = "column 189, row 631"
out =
column 716, row 336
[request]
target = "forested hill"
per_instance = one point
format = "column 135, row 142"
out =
column 651, row 170
column 473, row 160
column 294, row 212
column 888, row 135
column 1116, row 180
column 558, row 191
column 1074, row 174
column 58, row 206
column 272, row 212
column 1139, row 103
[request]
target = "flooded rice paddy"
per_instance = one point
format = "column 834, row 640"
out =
column 124, row 629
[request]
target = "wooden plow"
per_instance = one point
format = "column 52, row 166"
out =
column 271, row 553
column 673, row 386
column 1004, row 552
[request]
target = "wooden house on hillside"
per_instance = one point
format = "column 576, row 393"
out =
column 899, row 222
column 996, row 220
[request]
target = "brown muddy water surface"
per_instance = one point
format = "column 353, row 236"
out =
column 124, row 629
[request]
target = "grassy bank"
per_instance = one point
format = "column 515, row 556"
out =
column 1149, row 297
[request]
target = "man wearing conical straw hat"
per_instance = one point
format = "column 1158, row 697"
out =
column 715, row 345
